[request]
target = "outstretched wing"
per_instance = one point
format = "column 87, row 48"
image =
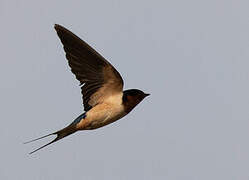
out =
column 98, row 77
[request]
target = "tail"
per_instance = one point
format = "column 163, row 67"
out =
column 60, row 134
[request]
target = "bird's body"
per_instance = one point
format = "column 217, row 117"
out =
column 102, row 87
column 102, row 114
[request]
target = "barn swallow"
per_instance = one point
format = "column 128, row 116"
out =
column 101, row 86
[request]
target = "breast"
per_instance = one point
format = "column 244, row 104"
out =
column 105, row 113
column 115, row 107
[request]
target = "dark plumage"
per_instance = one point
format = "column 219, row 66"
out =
column 131, row 98
column 94, row 73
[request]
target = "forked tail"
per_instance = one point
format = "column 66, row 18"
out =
column 60, row 134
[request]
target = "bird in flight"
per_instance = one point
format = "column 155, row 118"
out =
column 101, row 85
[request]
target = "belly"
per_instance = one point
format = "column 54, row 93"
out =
column 102, row 115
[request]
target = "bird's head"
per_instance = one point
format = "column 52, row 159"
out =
column 132, row 97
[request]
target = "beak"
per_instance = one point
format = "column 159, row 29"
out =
column 146, row 95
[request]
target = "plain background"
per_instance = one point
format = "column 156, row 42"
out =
column 192, row 56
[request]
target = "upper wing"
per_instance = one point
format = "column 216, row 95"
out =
column 99, row 78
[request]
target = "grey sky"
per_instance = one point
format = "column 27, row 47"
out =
column 192, row 56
